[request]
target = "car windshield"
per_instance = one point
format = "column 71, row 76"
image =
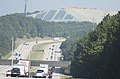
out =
column 15, row 70
column 9, row 71
column 40, row 71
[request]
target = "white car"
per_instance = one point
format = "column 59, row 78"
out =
column 40, row 74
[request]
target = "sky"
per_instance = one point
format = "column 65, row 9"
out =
column 17, row 6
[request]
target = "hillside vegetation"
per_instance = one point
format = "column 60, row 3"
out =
column 97, row 54
column 19, row 26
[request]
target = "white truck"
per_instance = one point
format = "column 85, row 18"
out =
column 44, row 67
column 48, row 70
column 56, row 38
column 26, row 65
column 23, row 66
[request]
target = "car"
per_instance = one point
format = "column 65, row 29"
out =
column 53, row 45
column 19, row 54
column 16, row 54
column 50, row 72
column 26, row 44
column 15, row 72
column 8, row 73
column 40, row 74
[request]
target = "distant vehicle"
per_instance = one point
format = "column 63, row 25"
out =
column 15, row 72
column 8, row 73
column 26, row 43
column 53, row 45
column 56, row 38
column 40, row 74
column 17, row 56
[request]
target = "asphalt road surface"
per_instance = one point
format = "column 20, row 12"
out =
column 52, row 52
column 23, row 52
column 4, row 68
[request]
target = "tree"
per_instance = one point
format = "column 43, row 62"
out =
column 97, row 53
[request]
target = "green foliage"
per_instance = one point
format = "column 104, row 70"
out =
column 19, row 26
column 97, row 54
column 69, row 46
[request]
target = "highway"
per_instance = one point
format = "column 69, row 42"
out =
column 50, row 52
column 24, row 49
column 4, row 68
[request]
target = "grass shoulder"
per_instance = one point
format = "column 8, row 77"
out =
column 37, row 52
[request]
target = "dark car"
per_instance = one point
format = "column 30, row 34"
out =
column 15, row 72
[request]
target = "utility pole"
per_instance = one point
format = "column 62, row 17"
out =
column 12, row 51
column 93, row 23
column 29, row 63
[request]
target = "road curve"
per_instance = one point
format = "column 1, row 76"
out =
column 24, row 49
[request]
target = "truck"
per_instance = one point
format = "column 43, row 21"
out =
column 44, row 67
column 26, row 65
column 56, row 38
column 47, row 69
column 8, row 73
column 23, row 67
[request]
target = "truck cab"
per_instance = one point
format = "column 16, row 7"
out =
column 8, row 73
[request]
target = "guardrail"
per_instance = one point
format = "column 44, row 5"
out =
column 38, row 62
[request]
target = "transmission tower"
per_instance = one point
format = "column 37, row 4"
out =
column 25, row 9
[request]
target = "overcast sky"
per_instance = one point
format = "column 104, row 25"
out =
column 13, row 6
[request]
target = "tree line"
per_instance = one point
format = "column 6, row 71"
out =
column 68, row 45
column 97, row 54
column 18, row 26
